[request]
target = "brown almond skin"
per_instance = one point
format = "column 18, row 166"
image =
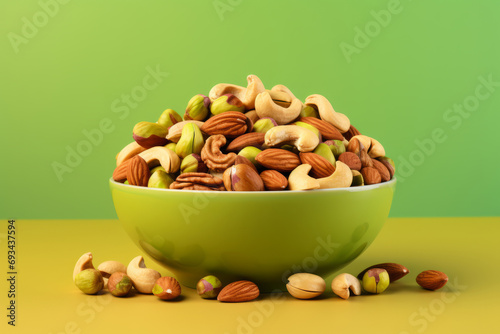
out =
column 230, row 124
column 170, row 286
column 320, row 167
column 371, row 175
column 432, row 279
column 242, row 160
column 240, row 291
column 351, row 160
column 395, row 271
column 274, row 180
column 255, row 139
column 120, row 172
column 138, row 172
column 278, row 159
column 351, row 133
column 328, row 131
column 366, row 161
column 382, row 169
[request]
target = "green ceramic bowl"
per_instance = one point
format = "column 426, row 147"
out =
column 263, row 237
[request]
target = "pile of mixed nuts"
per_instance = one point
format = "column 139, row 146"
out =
column 119, row 280
column 252, row 139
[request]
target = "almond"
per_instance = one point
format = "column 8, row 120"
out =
column 255, row 139
column 274, row 180
column 395, row 271
column 351, row 133
column 278, row 159
column 320, row 166
column 432, row 279
column 366, row 161
column 120, row 172
column 231, row 124
column 371, row 175
column 351, row 160
column 138, row 172
column 383, row 171
column 327, row 130
column 240, row 291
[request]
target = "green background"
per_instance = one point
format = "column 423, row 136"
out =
column 71, row 71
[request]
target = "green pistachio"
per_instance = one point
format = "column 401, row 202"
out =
column 154, row 169
column 197, row 108
column 209, row 287
column 376, row 280
column 149, row 134
column 323, row 150
column 160, row 179
column 357, row 179
column 310, row 127
column 90, row 281
column 250, row 153
column 126, row 182
column 171, row 146
column 336, row 146
column 191, row 141
column 193, row 164
column 226, row 102
column 309, row 111
column 168, row 118
column 264, row 124
column 119, row 284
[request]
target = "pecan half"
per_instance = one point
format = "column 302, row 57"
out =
column 212, row 155
column 198, row 181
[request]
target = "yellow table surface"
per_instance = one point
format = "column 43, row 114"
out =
column 466, row 249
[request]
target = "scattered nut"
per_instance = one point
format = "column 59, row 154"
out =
column 375, row 280
column 108, row 268
column 89, row 281
column 344, row 283
column 143, row 278
column 84, row 262
column 305, row 286
column 119, row 284
column 166, row 288
column 432, row 279
column 395, row 271
column 209, row 287
column 240, row 291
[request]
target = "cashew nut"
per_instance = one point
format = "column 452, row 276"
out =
column 266, row 107
column 345, row 282
column 327, row 113
column 341, row 178
column 108, row 268
column 246, row 95
column 303, row 139
column 283, row 89
column 143, row 278
column 175, row 131
column 129, row 151
column 300, row 180
column 84, row 262
column 160, row 155
column 373, row 146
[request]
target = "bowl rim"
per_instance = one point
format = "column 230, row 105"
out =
column 389, row 183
